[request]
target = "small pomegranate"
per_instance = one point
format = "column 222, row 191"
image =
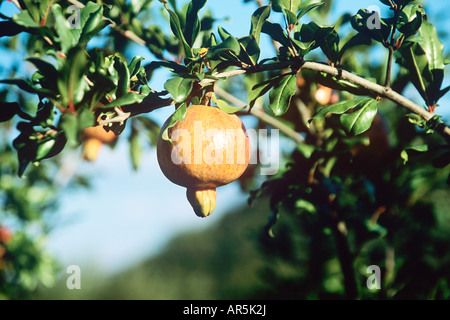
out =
column 93, row 139
column 5, row 234
column 326, row 96
column 5, row 238
column 210, row 148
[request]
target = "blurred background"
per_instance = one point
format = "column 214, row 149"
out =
column 135, row 236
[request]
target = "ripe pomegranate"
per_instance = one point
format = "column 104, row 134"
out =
column 93, row 139
column 209, row 149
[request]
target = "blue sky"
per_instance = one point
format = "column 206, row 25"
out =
column 128, row 216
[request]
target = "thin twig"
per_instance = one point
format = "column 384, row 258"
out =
column 387, row 93
column 261, row 115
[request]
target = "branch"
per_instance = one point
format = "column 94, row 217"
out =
column 238, row 72
column 384, row 92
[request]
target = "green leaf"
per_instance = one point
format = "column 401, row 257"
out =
column 179, row 88
column 360, row 120
column 261, row 88
column 425, row 62
column 86, row 118
column 305, row 8
column 227, row 50
column 170, row 65
column 291, row 5
column 22, row 84
column 225, row 106
column 444, row 92
column 127, row 99
column 306, row 150
column 259, row 17
column 276, row 32
column 44, row 149
column 405, row 153
column 91, row 21
column 67, row 39
column 370, row 24
column 410, row 20
column 70, row 83
column 24, row 19
column 33, row 9
column 281, row 94
column 250, row 50
column 432, row 124
column 305, row 205
column 433, row 46
column 412, row 57
column 135, row 65
column 224, row 34
column 178, row 115
column 359, row 39
column 338, row 108
column 175, row 26
column 44, row 67
column 69, row 124
column 291, row 17
column 51, row 147
column 193, row 25
column 325, row 37
column 416, row 119
column 135, row 149
column 123, row 76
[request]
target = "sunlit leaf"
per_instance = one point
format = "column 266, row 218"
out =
column 177, row 116
column 179, row 88
column 259, row 17
column 193, row 25
column 281, row 94
column 360, row 120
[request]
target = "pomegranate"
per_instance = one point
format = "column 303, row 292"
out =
column 208, row 149
column 326, row 96
column 5, row 238
column 5, row 234
column 93, row 139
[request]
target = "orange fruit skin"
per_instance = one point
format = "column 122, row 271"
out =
column 99, row 133
column 209, row 149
